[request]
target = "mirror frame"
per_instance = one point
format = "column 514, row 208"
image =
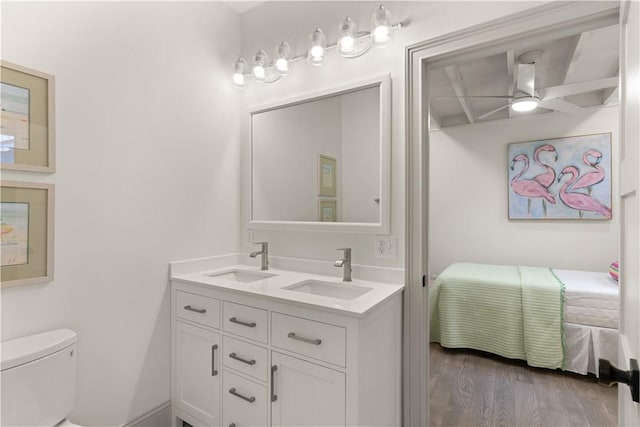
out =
column 381, row 227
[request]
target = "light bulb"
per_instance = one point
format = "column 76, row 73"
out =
column 347, row 37
column 317, row 41
column 381, row 24
column 239, row 70
column 381, row 34
column 238, row 79
column 260, row 61
column 258, row 72
column 283, row 54
column 282, row 65
column 317, row 52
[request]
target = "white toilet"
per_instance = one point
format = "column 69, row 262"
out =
column 39, row 379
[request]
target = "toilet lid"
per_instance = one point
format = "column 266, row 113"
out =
column 23, row 350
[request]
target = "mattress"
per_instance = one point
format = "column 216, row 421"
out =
column 590, row 298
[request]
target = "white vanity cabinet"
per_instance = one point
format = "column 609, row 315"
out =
column 282, row 363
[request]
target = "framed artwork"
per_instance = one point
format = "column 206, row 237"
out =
column 327, row 210
column 561, row 178
column 326, row 176
column 27, row 137
column 26, row 242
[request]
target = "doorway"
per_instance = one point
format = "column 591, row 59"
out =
column 539, row 25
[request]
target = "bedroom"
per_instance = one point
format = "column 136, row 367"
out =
column 472, row 142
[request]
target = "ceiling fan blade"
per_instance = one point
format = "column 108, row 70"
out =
column 526, row 78
column 492, row 112
column 560, row 105
column 576, row 88
column 478, row 96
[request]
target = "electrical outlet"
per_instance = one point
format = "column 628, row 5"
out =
column 385, row 246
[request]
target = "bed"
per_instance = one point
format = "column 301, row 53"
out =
column 552, row 318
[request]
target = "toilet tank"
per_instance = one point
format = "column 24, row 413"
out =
column 38, row 378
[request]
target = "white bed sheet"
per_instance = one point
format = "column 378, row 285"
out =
column 590, row 298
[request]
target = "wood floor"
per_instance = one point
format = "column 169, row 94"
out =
column 475, row 389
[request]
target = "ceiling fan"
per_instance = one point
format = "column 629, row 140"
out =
column 526, row 97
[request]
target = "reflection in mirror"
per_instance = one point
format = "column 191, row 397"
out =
column 321, row 160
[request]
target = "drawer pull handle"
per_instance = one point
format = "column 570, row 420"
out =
column 274, row 396
column 293, row 336
column 240, row 359
column 240, row 322
column 197, row 310
column 235, row 393
column 214, row 372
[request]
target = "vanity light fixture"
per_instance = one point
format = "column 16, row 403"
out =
column 350, row 44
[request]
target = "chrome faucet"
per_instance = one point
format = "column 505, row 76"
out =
column 264, row 251
column 346, row 263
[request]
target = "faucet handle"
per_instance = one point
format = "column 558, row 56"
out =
column 261, row 243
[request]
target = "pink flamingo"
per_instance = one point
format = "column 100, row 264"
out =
column 592, row 178
column 580, row 202
column 547, row 178
column 529, row 188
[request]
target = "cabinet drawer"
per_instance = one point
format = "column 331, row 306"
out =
column 246, row 358
column 244, row 403
column 198, row 308
column 310, row 338
column 248, row 322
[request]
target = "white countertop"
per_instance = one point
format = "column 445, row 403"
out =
column 273, row 288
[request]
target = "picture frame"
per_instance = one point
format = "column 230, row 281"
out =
column 27, row 133
column 26, row 242
column 326, row 176
column 327, row 210
column 568, row 178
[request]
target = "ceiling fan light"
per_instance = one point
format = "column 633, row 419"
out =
column 527, row 103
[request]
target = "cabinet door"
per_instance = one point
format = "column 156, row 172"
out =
column 198, row 369
column 306, row 394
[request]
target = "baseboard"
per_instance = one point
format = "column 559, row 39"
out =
column 159, row 416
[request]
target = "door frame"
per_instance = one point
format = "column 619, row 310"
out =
column 548, row 21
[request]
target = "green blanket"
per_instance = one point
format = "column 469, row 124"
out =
column 515, row 312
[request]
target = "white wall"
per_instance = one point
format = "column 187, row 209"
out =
column 472, row 226
column 270, row 23
column 147, row 172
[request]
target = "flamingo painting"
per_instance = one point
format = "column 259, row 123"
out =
column 589, row 179
column 583, row 190
column 579, row 201
column 529, row 188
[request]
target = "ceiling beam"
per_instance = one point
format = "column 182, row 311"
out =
column 578, row 49
column 453, row 72
column 611, row 95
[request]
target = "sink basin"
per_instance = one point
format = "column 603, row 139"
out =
column 328, row 289
column 242, row 276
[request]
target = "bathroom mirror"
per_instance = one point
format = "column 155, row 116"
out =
column 322, row 161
